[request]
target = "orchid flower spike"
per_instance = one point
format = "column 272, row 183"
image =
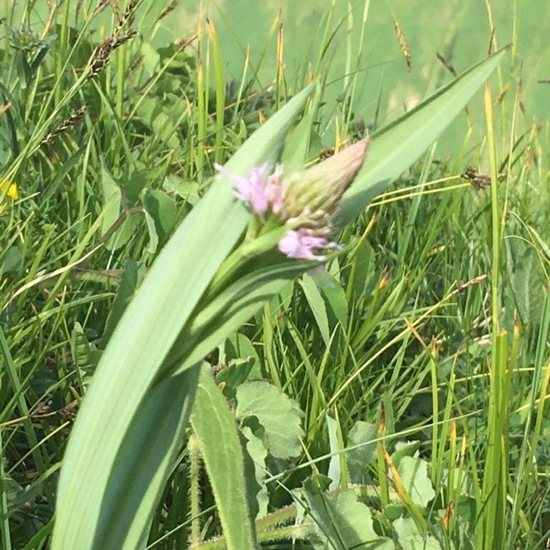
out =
column 306, row 201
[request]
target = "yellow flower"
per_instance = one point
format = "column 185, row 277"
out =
column 7, row 189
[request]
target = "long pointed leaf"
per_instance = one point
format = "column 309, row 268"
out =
column 394, row 148
column 144, row 335
column 215, row 428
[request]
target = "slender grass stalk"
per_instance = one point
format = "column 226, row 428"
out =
column 19, row 394
column 202, row 104
column 5, row 536
column 219, row 83
column 495, row 474
column 436, row 441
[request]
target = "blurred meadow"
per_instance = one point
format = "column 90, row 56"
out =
column 397, row 400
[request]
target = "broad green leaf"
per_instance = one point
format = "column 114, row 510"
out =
column 138, row 347
column 411, row 539
column 137, row 476
column 279, row 416
column 215, row 428
column 414, row 474
column 258, row 453
column 394, row 148
column 362, row 450
column 146, row 454
column 338, row 521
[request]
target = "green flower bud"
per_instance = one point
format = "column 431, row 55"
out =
column 312, row 196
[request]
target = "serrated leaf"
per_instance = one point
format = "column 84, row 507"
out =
column 338, row 521
column 414, row 475
column 279, row 416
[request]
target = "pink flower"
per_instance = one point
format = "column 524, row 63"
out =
column 302, row 244
column 306, row 202
column 275, row 190
column 259, row 192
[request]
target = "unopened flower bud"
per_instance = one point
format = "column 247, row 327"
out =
column 314, row 194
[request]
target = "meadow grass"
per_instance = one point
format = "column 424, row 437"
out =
column 431, row 332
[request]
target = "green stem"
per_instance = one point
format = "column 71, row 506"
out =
column 195, row 491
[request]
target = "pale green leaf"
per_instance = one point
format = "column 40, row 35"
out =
column 337, row 468
column 411, row 539
column 338, row 520
column 152, row 245
column 414, row 474
column 130, row 366
column 215, row 428
column 362, row 450
column 138, row 475
column 279, row 416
